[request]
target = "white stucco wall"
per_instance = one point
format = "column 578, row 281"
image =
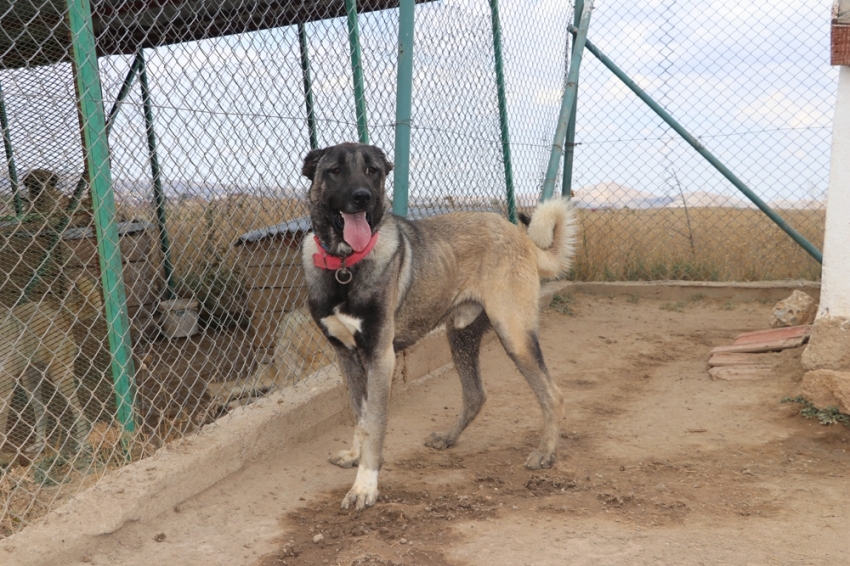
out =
column 835, row 285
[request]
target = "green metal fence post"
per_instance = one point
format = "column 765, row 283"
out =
column 77, row 195
column 357, row 71
column 96, row 150
column 664, row 115
column 10, row 156
column 503, row 108
column 570, row 141
column 308, row 86
column 566, row 104
column 156, row 174
column 404, row 99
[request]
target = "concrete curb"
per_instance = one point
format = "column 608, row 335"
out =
column 145, row 489
column 175, row 473
column 683, row 290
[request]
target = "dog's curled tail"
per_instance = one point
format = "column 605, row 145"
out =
column 553, row 230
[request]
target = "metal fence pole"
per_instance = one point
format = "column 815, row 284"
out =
column 357, row 71
column 778, row 220
column 308, row 86
column 158, row 196
column 10, row 156
column 77, row 195
column 503, row 108
column 570, row 141
column 138, row 61
column 93, row 124
column 566, row 104
column 404, row 97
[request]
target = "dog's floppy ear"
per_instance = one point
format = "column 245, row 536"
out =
column 387, row 164
column 310, row 163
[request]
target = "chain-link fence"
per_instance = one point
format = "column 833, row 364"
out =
column 210, row 108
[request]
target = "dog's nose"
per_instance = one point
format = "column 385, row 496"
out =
column 361, row 197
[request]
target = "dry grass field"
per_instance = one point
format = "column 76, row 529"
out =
column 698, row 244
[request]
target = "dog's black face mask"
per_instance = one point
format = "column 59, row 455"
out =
column 347, row 194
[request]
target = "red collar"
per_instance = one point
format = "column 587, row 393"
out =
column 324, row 260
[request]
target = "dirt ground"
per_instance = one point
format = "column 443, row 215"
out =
column 658, row 464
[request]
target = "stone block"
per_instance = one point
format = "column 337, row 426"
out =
column 829, row 344
column 827, row 388
column 796, row 310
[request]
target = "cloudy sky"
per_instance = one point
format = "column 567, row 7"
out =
column 750, row 79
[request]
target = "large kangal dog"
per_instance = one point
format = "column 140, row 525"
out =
column 377, row 283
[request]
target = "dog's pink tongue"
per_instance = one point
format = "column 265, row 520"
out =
column 356, row 231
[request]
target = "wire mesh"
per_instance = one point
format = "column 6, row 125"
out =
column 215, row 295
column 754, row 86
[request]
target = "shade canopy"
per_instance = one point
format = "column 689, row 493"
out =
column 35, row 32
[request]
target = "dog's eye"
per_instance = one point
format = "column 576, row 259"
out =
column 371, row 170
column 336, row 170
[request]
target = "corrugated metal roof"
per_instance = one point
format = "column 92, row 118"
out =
column 295, row 226
column 124, row 229
column 35, row 32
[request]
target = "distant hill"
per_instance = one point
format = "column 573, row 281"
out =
column 609, row 194
column 802, row 204
column 138, row 191
column 705, row 199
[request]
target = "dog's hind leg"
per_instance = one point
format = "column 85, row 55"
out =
column 7, row 391
column 31, row 381
column 61, row 370
column 355, row 377
column 519, row 338
column 465, row 344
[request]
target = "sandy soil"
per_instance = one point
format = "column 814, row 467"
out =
column 658, row 464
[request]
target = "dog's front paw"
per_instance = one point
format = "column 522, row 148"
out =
column 539, row 460
column 364, row 492
column 439, row 441
column 345, row 459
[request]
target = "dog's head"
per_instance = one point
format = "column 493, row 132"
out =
column 42, row 189
column 347, row 200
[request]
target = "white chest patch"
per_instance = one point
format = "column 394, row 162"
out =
column 343, row 327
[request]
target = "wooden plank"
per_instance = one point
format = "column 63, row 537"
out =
column 274, row 276
column 734, row 359
column 754, row 347
column 83, row 251
column 774, row 334
column 738, row 373
column 280, row 299
column 138, row 281
column 273, row 251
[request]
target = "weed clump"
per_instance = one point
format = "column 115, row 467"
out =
column 828, row 416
